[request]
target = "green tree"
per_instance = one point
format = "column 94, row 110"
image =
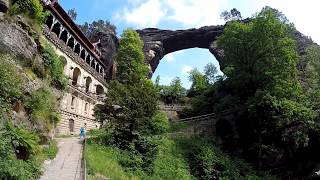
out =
column 130, row 58
column 131, row 105
column 177, row 91
column 261, row 65
column 210, row 72
column 234, row 14
column 311, row 75
column 199, row 82
column 73, row 14
column 157, row 82
column 90, row 29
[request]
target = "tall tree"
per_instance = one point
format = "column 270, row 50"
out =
column 177, row 90
column 90, row 29
column 234, row 14
column 261, row 66
column 199, row 82
column 210, row 72
column 73, row 14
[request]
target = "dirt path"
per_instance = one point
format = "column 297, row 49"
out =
column 67, row 164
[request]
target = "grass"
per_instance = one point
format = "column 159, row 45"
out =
column 178, row 126
column 104, row 160
column 48, row 152
column 169, row 163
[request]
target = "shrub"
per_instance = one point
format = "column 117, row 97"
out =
column 12, row 139
column 32, row 8
column 52, row 150
column 159, row 123
column 10, row 83
column 54, row 64
column 41, row 105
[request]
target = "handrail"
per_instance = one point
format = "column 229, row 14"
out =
column 84, row 175
column 203, row 117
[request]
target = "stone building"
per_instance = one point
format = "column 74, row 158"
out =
column 83, row 67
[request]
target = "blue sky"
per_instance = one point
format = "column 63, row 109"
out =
column 183, row 14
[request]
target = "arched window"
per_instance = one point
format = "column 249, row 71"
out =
column 71, row 125
column 75, row 76
column 56, row 28
column 99, row 90
column 83, row 54
column 64, row 61
column 49, row 21
column 86, row 107
column 64, row 36
column 73, row 102
column 88, row 84
column 71, row 43
column 77, row 49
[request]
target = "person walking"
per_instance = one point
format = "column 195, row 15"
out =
column 82, row 133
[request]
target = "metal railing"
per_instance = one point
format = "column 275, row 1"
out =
column 205, row 116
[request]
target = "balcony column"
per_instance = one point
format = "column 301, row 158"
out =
column 86, row 55
column 74, row 45
column 69, row 36
column 54, row 21
column 61, row 31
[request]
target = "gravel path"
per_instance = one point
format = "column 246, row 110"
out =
column 67, row 164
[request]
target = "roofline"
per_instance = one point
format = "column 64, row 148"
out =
column 55, row 7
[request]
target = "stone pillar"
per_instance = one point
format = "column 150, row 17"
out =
column 86, row 55
column 74, row 45
column 81, row 49
column 68, row 38
column 71, row 69
column 103, row 73
column 54, row 21
column 61, row 31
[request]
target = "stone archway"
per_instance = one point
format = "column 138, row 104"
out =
column 99, row 90
column 88, row 84
column 76, row 76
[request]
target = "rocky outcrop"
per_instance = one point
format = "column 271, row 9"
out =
column 108, row 45
column 15, row 40
column 4, row 5
column 158, row 43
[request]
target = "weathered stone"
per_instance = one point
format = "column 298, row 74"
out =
column 4, row 5
column 108, row 46
column 158, row 43
column 15, row 40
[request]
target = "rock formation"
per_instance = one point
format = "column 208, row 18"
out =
column 15, row 40
column 108, row 45
column 4, row 5
column 158, row 43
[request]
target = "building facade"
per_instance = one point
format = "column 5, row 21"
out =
column 86, row 73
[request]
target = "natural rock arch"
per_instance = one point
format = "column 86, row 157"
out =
column 158, row 43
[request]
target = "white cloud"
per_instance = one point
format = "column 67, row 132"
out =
column 196, row 13
column 172, row 56
column 169, row 58
column 145, row 14
column 186, row 69
column 189, row 13
column 302, row 13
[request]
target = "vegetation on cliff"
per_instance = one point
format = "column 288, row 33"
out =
column 28, row 95
column 275, row 103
